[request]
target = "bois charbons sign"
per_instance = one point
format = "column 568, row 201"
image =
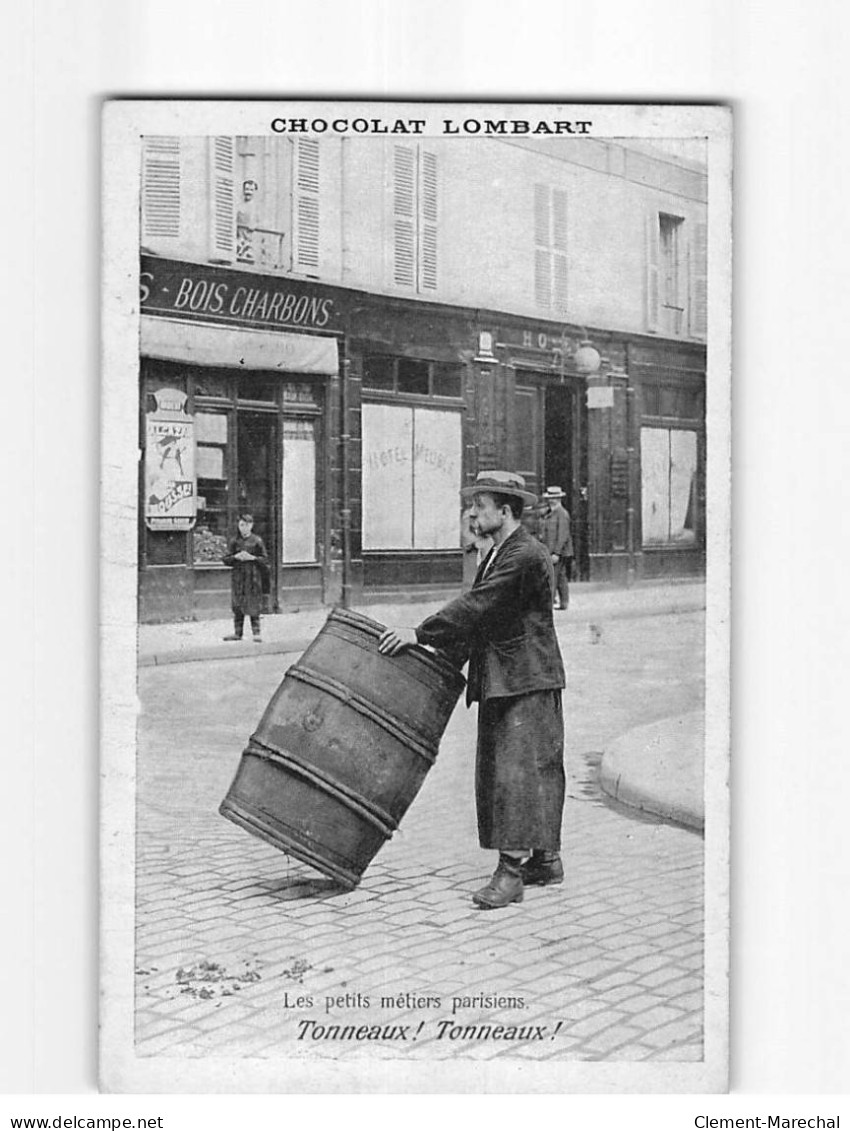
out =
column 203, row 293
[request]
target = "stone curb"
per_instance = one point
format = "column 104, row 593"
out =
column 659, row 769
column 299, row 643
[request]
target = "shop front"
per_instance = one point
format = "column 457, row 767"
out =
column 617, row 421
column 671, row 439
column 347, row 423
column 410, row 376
column 234, row 418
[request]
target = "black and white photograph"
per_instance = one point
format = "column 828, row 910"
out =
column 415, row 658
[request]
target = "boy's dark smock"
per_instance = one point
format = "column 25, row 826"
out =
column 246, row 582
column 516, row 674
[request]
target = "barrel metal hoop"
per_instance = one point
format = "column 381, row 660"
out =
column 363, row 707
column 354, row 633
column 376, row 816
column 282, row 837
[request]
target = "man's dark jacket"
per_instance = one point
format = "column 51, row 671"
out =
column 554, row 533
column 505, row 623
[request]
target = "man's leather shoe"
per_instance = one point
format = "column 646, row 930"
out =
column 504, row 888
column 543, row 868
column 232, row 636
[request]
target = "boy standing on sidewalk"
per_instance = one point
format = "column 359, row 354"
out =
column 247, row 556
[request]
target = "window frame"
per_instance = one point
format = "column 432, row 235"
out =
column 372, row 392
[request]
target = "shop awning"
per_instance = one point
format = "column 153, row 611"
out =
column 236, row 348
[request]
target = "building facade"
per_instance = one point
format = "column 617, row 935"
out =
column 338, row 334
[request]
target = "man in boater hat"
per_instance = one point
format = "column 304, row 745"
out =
column 504, row 625
column 554, row 533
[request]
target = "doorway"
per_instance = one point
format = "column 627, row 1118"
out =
column 256, row 482
column 565, row 464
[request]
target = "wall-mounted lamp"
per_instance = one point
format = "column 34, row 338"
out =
column 587, row 359
column 485, row 355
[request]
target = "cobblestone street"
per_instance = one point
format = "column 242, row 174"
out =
column 242, row 951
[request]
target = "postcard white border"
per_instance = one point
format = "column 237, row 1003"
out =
column 124, row 122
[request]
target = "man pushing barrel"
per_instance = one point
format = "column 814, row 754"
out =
column 504, row 625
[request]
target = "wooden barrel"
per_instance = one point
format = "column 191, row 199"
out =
column 343, row 747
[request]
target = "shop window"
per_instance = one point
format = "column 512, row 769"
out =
column 668, row 486
column 299, row 491
column 209, row 537
column 689, row 400
column 411, row 478
column 671, row 401
column 446, row 381
column 165, row 547
column 379, row 373
column 652, row 400
column 550, row 248
column 412, row 376
column 251, row 387
column 208, row 383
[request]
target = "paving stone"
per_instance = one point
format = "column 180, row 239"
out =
column 575, row 953
column 608, row 1041
column 654, row 1018
column 683, row 1053
column 661, row 979
column 690, row 1002
column 597, row 1022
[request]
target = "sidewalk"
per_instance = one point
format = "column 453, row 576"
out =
column 660, row 769
column 590, row 602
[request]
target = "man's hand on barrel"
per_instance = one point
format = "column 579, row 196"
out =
column 393, row 640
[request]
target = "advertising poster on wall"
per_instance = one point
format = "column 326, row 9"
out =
column 169, row 464
column 379, row 352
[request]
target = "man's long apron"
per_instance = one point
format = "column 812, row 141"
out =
column 519, row 772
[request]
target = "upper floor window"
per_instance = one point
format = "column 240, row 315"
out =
column 676, row 289
column 670, row 271
column 550, row 248
column 250, row 200
column 278, row 212
column 415, row 217
column 264, row 202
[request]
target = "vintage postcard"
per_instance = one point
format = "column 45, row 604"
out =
column 415, row 597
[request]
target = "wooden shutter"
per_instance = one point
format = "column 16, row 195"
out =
column 306, row 193
column 652, row 253
column 427, row 273
column 161, row 189
column 698, row 282
column 222, row 210
column 542, row 255
column 559, row 250
column 404, row 215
